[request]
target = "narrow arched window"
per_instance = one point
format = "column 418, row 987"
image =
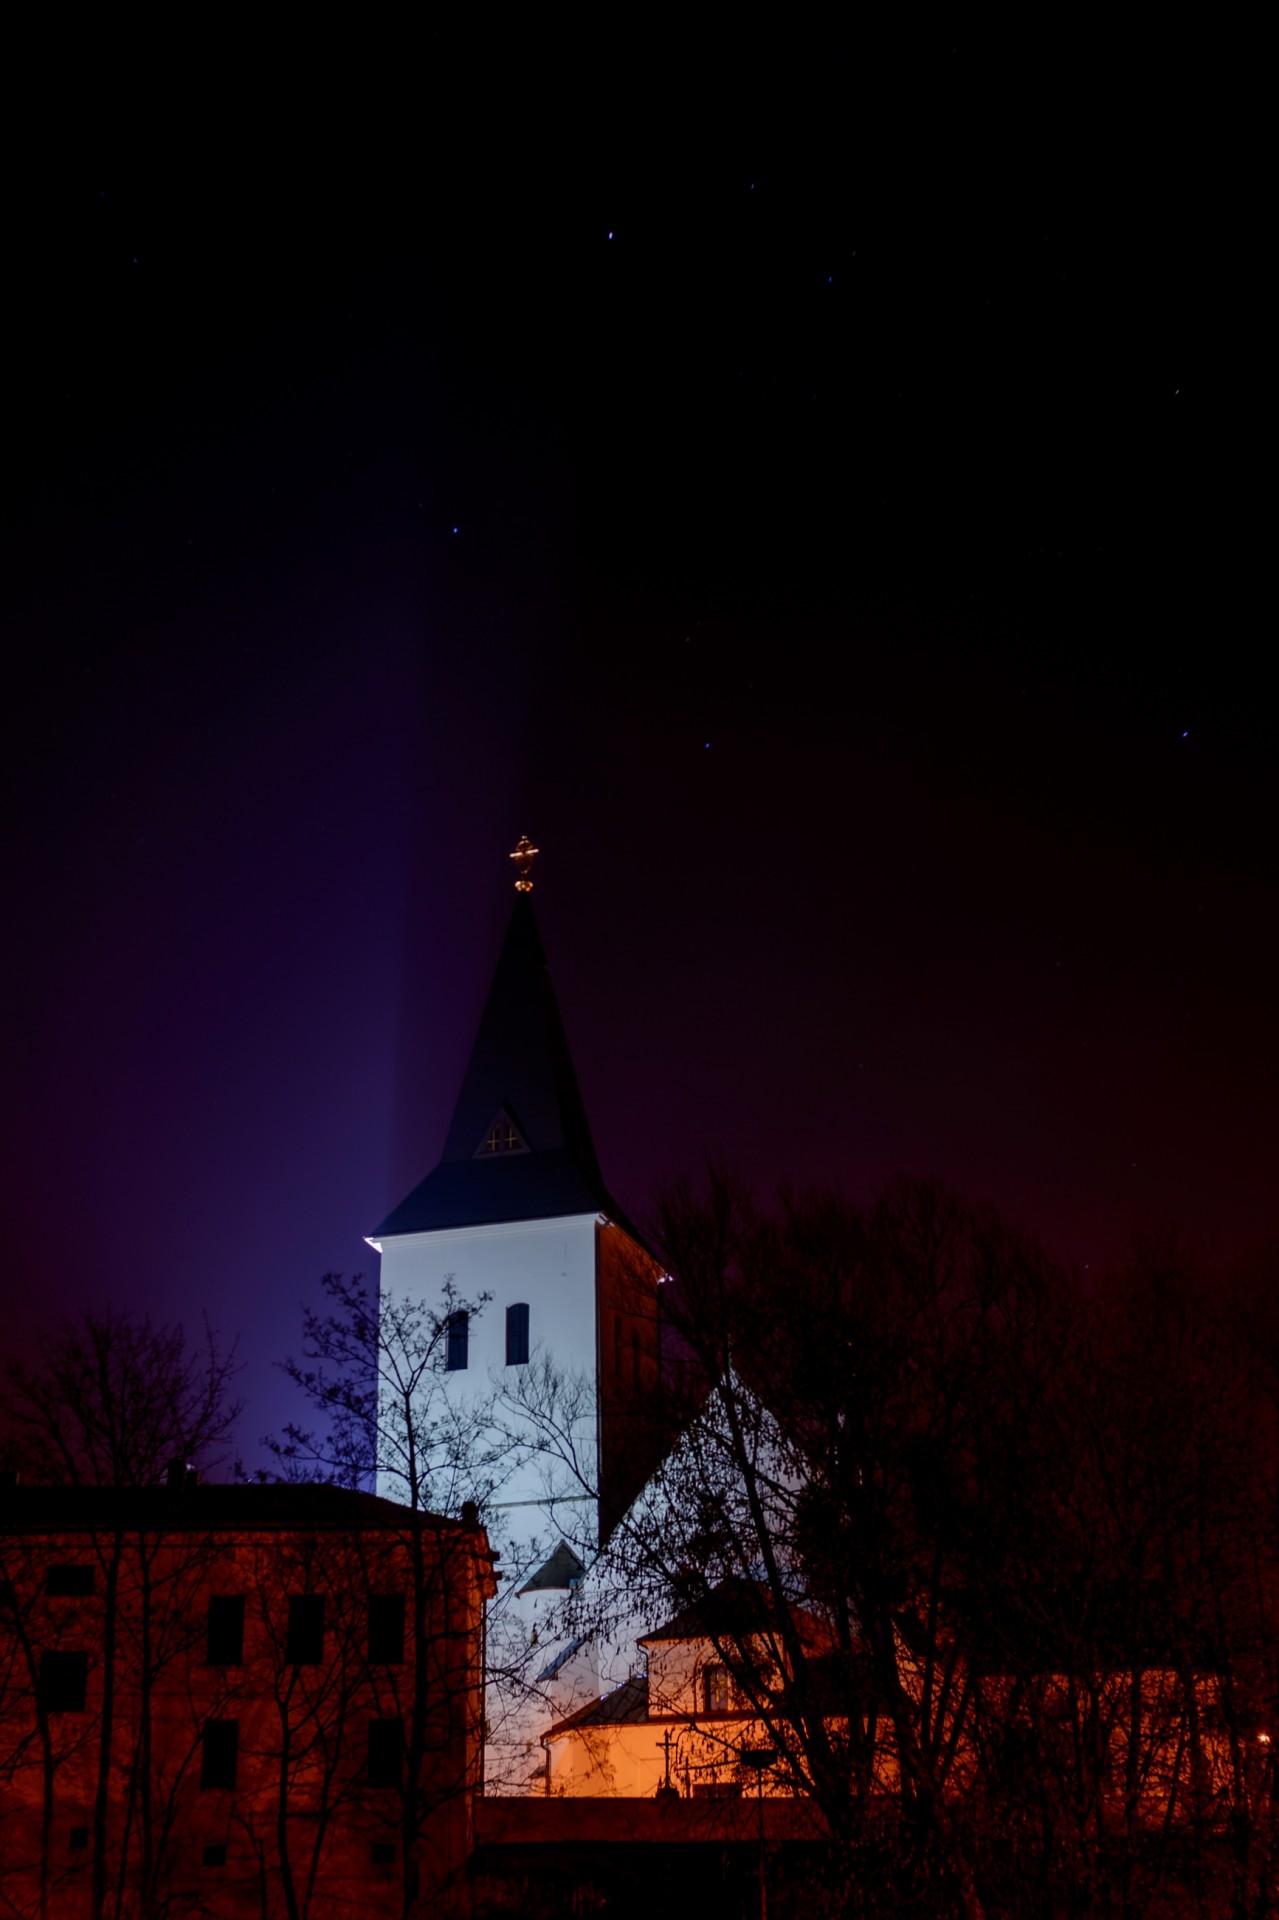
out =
column 517, row 1335
column 715, row 1689
column 458, row 1329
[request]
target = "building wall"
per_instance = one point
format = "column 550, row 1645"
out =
column 630, row 1368
column 630, row 1761
column 593, row 1321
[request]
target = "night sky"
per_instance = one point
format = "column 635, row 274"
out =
column 810, row 485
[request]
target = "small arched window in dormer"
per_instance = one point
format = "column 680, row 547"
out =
column 458, row 1335
column 517, row 1334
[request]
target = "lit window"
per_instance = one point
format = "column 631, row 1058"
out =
column 458, row 1329
column 517, row 1335
column 502, row 1137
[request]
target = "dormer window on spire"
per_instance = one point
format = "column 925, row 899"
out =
column 502, row 1137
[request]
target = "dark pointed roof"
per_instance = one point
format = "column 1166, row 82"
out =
column 734, row 1609
column 520, row 1066
column 626, row 1705
column 562, row 1571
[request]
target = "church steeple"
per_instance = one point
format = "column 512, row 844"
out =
column 519, row 1145
column 516, row 1219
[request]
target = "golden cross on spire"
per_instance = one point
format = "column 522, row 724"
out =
column 523, row 858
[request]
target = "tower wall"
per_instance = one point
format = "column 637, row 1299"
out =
column 547, row 1265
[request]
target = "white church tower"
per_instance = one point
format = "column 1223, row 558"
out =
column 517, row 1210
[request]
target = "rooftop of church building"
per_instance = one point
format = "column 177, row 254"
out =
column 519, row 1145
column 558, row 1574
column 734, row 1609
column 626, row 1705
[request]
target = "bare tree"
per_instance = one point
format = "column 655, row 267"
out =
column 1036, row 1522
column 1133, row 1746
column 115, row 1402
column 1001, row 1553
column 874, row 1340
column 374, row 1372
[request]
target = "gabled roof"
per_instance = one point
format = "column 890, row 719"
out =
column 735, row 1609
column 626, row 1705
column 556, row 1575
column 234, row 1507
column 520, row 1065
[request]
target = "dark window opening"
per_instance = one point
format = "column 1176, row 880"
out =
column 715, row 1689
column 386, row 1752
column 215, row 1856
column 382, row 1853
column 79, row 1838
column 8, row 1598
column 63, row 1683
column 69, row 1583
column 305, row 1644
column 458, row 1328
column 386, row 1628
column 225, row 1645
column 219, row 1749
column 517, row 1335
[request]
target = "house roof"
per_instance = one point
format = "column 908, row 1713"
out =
column 272, row 1505
column 626, row 1705
column 733, row 1610
column 520, row 1072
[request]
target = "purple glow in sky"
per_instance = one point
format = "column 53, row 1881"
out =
column 850, row 605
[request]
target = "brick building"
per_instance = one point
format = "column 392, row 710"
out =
column 258, row 1699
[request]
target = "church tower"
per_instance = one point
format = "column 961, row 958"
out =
column 517, row 1212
